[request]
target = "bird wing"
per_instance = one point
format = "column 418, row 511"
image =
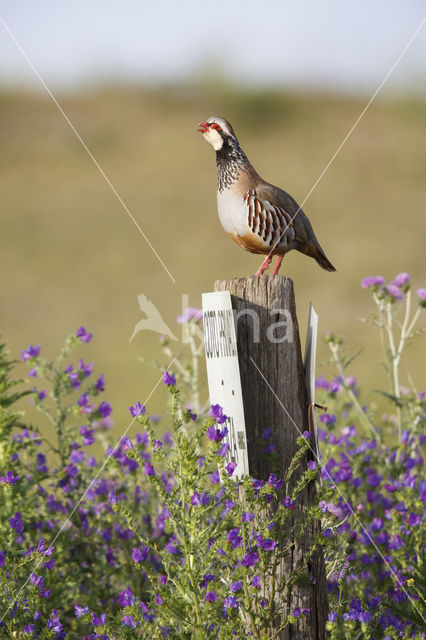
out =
column 303, row 238
column 296, row 218
column 271, row 222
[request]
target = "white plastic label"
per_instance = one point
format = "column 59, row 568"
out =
column 223, row 373
column 310, row 359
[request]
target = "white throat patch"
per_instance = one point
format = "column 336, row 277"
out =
column 214, row 137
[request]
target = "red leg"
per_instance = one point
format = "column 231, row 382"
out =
column 278, row 264
column 264, row 266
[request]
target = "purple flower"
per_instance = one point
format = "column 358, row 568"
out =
column 250, row 559
column 216, row 435
column 42, row 394
column 30, row 352
column 332, row 616
column 208, row 577
column 75, row 382
column 326, row 418
column 71, row 470
column 269, row 544
column 83, row 334
column 149, row 469
column 372, row 281
column 30, row 628
column 289, row 503
column 36, row 580
column 172, row 546
column 100, row 383
column 127, row 621
column 98, row 621
column 223, row 449
column 137, row 409
column 16, row 523
column 236, row 586
column 190, row 313
column 331, row 508
column 312, row 465
column 9, row 478
column 2, row 557
column 112, row 498
column 296, row 612
column 230, row 468
column 256, row 582
column 364, row 616
column 76, row 456
column 230, row 602
column 422, row 295
column 401, row 279
column 80, row 611
column 104, row 409
column 126, row 443
column 84, row 403
column 273, row 481
column 87, row 435
column 322, row 383
column 269, row 448
column 396, row 542
column 323, row 506
column 247, row 516
column 211, row 596
column 414, row 520
column 306, row 434
column 233, row 538
column 169, row 379
column 198, row 500
column 215, row 477
column 140, row 554
column 126, row 598
column 394, row 292
column 54, row 623
column 86, row 369
column 216, row 412
column 158, row 599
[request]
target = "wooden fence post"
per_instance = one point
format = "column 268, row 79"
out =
column 274, row 396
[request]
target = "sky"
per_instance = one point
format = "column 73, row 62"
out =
column 332, row 44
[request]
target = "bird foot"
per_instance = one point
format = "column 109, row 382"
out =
column 277, row 265
column 265, row 264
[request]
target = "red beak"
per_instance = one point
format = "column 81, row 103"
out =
column 203, row 127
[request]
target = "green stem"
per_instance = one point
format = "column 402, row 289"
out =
column 249, row 611
column 381, row 308
column 188, row 553
column 363, row 416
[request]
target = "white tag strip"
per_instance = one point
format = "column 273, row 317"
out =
column 223, row 373
column 310, row 360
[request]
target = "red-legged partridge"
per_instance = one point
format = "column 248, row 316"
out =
column 259, row 217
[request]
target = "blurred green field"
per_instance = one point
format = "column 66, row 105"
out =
column 71, row 256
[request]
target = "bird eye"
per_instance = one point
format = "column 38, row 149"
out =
column 215, row 126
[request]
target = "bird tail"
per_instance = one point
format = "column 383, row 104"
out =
column 318, row 254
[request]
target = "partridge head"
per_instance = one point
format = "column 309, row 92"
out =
column 258, row 216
